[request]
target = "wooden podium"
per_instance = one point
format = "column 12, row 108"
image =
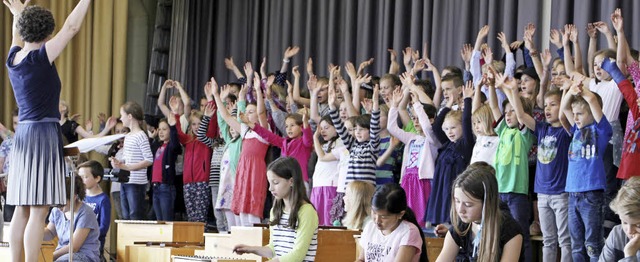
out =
column 336, row 245
column 130, row 231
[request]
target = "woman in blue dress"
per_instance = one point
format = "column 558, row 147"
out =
column 36, row 173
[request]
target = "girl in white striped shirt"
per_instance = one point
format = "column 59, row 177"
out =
column 137, row 157
column 292, row 237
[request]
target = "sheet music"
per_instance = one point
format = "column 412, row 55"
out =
column 89, row 144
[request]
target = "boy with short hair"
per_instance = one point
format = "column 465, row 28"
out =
column 92, row 173
column 586, row 177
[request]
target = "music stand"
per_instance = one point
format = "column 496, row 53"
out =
column 73, row 154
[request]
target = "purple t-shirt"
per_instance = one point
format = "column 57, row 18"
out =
column 551, row 167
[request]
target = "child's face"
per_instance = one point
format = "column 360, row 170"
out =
column 233, row 133
column 468, row 208
column 450, row 91
column 15, row 123
column 194, row 123
column 452, row 128
column 163, row 131
column 558, row 70
column 279, row 187
column 386, row 89
column 62, row 109
column 527, row 86
column 89, row 181
column 350, row 128
column 362, row 134
column 385, row 220
column 416, row 122
column 343, row 111
column 203, row 104
column 293, row 129
column 479, row 126
column 252, row 113
column 125, row 118
column 598, row 71
column 581, row 115
column 510, row 116
column 551, row 109
column 630, row 225
column 327, row 131
column 323, row 94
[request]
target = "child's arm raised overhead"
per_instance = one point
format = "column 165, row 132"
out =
column 296, row 88
column 623, row 84
column 493, row 98
column 261, row 110
column 578, row 65
column 476, row 69
column 374, row 130
column 593, row 45
column 623, row 55
column 570, row 89
column 510, row 63
column 286, row 59
column 229, row 64
column 307, row 134
column 407, row 53
column 437, row 80
column 186, row 101
column 162, row 97
column 594, row 105
column 564, row 121
column 347, row 139
column 313, row 109
column 394, row 68
column 467, row 126
column 392, row 119
column 604, row 29
column 514, row 98
column 405, row 91
column 16, row 8
column 201, row 133
column 69, row 29
column 356, row 81
column 568, row 59
column 344, row 88
column 222, row 110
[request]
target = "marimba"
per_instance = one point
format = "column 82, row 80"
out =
column 130, row 231
column 206, row 259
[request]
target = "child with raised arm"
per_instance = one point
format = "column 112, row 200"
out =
column 38, row 166
column 163, row 173
column 249, row 192
column 512, row 163
column 586, row 177
column 91, row 173
column 230, row 156
column 551, row 171
column 454, row 130
column 293, row 231
column 420, row 151
column 363, row 145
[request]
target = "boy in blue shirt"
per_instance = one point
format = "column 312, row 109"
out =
column 585, row 173
column 91, row 173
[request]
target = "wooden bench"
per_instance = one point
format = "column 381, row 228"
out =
column 130, row 231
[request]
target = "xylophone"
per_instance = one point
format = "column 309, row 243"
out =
column 207, row 259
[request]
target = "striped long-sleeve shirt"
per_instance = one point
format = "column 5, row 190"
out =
column 217, row 144
column 136, row 149
column 298, row 244
column 362, row 155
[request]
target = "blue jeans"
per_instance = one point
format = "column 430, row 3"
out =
column 585, row 225
column 132, row 201
column 520, row 211
column 164, row 196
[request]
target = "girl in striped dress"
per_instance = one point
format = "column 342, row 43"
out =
column 293, row 231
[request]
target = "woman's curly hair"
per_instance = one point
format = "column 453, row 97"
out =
column 35, row 24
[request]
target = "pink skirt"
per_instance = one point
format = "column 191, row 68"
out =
column 321, row 198
column 417, row 191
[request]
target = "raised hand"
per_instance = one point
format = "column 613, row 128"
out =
column 503, row 41
column 291, row 51
column 407, row 55
column 392, row 55
column 554, row 38
column 465, row 53
column 312, row 84
column 515, row 44
column 309, row 67
column 362, row 79
column 616, row 20
column 546, row 57
column 484, row 31
column 415, row 55
column 574, row 34
column 419, row 65
column 88, row 125
column 397, row 96
column 102, row 118
column 248, row 71
column 16, row 6
column 530, row 28
column 209, row 109
column 331, row 97
column 602, row 27
column 351, row 70
column 344, row 87
column 208, row 91
column 566, row 35
column 263, row 68
column 228, row 62
column 295, row 71
column 429, row 65
column 270, row 80
column 467, row 91
column 364, row 65
column 367, row 105
column 487, row 54
column 168, row 84
column 592, row 31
